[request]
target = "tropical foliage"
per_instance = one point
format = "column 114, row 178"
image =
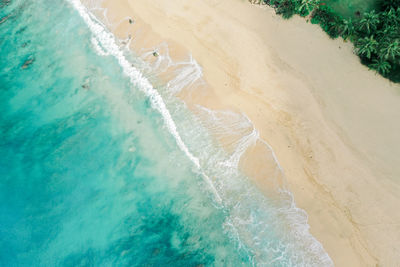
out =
column 375, row 34
column 367, row 46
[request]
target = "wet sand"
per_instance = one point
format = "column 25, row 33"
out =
column 333, row 124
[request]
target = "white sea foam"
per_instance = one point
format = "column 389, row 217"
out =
column 253, row 218
column 184, row 73
column 107, row 40
column 99, row 50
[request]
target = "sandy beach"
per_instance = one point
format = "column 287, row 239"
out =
column 333, row 124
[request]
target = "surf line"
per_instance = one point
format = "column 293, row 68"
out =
column 107, row 41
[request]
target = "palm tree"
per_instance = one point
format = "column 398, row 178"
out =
column 388, row 32
column 390, row 17
column 381, row 66
column 286, row 8
column 306, row 6
column 369, row 22
column 386, row 4
column 390, row 50
column 348, row 28
column 367, row 46
column 335, row 27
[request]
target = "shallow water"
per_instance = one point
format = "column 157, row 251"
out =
column 98, row 167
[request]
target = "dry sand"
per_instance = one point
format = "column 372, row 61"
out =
column 334, row 125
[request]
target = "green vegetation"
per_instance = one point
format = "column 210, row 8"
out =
column 350, row 8
column 372, row 25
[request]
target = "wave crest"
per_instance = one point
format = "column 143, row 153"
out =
column 223, row 146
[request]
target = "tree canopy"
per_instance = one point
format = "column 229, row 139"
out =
column 375, row 34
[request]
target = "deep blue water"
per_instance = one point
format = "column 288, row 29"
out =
column 90, row 175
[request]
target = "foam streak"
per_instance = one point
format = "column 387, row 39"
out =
column 107, row 41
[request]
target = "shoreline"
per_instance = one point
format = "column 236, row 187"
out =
column 268, row 74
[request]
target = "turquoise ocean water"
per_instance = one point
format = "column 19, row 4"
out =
column 99, row 168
